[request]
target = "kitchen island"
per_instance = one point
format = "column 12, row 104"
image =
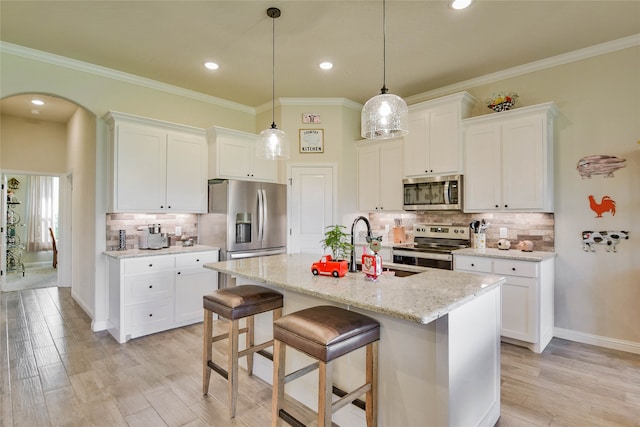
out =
column 439, row 360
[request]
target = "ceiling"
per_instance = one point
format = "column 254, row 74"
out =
column 428, row 44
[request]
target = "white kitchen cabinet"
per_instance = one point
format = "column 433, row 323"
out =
column 192, row 281
column 527, row 297
column 232, row 155
column 380, row 175
column 156, row 166
column 155, row 293
column 434, row 143
column 509, row 160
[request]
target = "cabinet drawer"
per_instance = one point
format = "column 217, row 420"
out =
column 148, row 287
column 480, row 265
column 196, row 259
column 515, row 268
column 149, row 264
column 149, row 317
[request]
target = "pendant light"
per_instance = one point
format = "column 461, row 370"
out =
column 386, row 115
column 273, row 143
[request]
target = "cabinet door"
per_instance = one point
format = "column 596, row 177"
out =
column 263, row 170
column 186, row 173
column 391, row 174
column 518, row 308
column 191, row 285
column 368, row 177
column 523, row 164
column 483, row 179
column 140, row 176
column 192, row 281
column 236, row 158
column 445, row 146
column 416, row 144
column 233, row 157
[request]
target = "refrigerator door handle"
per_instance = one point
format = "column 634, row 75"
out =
column 265, row 212
column 260, row 214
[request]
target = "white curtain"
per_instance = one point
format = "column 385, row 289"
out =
column 42, row 212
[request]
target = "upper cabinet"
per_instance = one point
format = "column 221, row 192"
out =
column 232, row 154
column 156, row 166
column 509, row 160
column 434, row 143
column 380, row 175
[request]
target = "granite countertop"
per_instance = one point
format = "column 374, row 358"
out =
column 172, row 250
column 506, row 254
column 420, row 298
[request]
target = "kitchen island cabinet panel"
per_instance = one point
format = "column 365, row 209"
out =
column 153, row 293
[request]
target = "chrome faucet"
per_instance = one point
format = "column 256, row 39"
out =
column 352, row 264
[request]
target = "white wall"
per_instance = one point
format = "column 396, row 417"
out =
column 33, row 145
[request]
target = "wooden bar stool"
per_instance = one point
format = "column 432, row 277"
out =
column 241, row 302
column 325, row 333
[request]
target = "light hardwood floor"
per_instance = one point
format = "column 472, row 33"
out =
column 56, row 372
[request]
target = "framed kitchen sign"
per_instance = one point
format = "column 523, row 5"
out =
column 311, row 141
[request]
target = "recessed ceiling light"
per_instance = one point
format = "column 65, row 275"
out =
column 326, row 65
column 37, row 102
column 460, row 4
column 211, row 65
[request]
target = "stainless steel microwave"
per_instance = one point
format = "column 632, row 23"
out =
column 433, row 193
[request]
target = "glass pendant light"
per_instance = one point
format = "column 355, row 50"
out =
column 386, row 115
column 273, row 143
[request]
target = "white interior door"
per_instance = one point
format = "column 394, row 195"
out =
column 311, row 206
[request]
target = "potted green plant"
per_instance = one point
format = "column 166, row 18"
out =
column 336, row 239
column 336, row 264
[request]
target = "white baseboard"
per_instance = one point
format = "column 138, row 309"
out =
column 606, row 342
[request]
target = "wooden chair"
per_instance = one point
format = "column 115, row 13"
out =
column 55, row 248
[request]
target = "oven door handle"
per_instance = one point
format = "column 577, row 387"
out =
column 425, row 255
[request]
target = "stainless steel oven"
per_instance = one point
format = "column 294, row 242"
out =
column 433, row 246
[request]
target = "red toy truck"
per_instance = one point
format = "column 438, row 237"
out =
column 326, row 266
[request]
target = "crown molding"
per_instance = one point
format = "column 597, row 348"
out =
column 543, row 64
column 313, row 102
column 109, row 73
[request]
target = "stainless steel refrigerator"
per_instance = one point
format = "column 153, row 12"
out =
column 245, row 219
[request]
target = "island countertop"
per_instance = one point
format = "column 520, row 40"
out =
column 421, row 298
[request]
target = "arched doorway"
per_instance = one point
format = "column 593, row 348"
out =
column 35, row 141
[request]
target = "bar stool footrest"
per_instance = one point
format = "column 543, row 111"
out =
column 290, row 419
column 218, row 369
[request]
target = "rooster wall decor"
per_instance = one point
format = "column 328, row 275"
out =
column 607, row 204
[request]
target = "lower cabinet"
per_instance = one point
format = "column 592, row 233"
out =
column 527, row 297
column 156, row 293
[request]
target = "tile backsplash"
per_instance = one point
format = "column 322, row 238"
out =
column 537, row 227
column 130, row 223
